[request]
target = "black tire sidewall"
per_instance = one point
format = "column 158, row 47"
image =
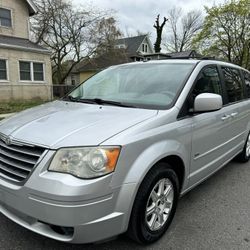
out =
column 242, row 157
column 245, row 150
column 144, row 234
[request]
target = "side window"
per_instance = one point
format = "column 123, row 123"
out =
column 208, row 82
column 5, row 17
column 234, row 85
column 247, row 82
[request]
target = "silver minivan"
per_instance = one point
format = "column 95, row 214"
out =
column 116, row 153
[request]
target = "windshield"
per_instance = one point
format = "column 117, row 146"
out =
column 142, row 85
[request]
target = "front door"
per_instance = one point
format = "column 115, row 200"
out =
column 213, row 141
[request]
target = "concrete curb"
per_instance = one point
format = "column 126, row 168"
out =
column 2, row 116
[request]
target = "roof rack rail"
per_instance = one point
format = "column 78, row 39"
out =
column 190, row 57
column 176, row 57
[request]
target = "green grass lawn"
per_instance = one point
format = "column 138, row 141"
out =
column 12, row 106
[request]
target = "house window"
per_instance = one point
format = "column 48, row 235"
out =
column 31, row 71
column 3, row 70
column 25, row 71
column 5, row 17
column 73, row 80
column 144, row 48
column 38, row 72
column 120, row 46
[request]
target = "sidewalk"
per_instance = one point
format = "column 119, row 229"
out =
column 2, row 116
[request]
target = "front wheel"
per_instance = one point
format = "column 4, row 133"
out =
column 244, row 156
column 155, row 204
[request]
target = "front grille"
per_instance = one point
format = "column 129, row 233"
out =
column 17, row 160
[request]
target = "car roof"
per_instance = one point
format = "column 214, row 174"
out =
column 185, row 61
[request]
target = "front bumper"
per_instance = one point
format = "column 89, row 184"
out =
column 68, row 209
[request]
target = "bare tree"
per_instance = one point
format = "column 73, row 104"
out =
column 67, row 32
column 105, row 36
column 159, row 28
column 182, row 29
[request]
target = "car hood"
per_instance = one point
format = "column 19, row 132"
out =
column 64, row 124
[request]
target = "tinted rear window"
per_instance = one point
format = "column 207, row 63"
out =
column 234, row 84
column 247, row 82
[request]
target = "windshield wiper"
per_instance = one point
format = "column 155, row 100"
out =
column 103, row 102
column 97, row 101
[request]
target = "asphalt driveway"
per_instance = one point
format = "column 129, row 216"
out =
column 214, row 215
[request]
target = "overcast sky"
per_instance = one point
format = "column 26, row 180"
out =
column 134, row 15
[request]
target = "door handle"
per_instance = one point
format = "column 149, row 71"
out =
column 225, row 117
column 234, row 114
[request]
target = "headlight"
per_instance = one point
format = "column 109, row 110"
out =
column 86, row 162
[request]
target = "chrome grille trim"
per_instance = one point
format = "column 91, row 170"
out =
column 17, row 160
column 12, row 172
column 12, row 163
column 17, row 157
column 16, row 149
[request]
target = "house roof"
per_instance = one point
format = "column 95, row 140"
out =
column 32, row 7
column 101, row 62
column 184, row 54
column 115, row 56
column 20, row 44
column 132, row 43
column 120, row 56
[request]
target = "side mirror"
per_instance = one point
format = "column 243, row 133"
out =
column 207, row 102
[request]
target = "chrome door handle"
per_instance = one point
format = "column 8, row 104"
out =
column 225, row 117
column 234, row 114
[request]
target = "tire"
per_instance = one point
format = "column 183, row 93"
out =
column 244, row 156
column 146, row 228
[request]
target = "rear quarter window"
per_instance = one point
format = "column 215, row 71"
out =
column 247, row 82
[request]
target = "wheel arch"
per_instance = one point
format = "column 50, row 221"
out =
column 177, row 165
column 173, row 162
column 172, row 152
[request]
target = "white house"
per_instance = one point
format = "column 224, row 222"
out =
column 25, row 67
